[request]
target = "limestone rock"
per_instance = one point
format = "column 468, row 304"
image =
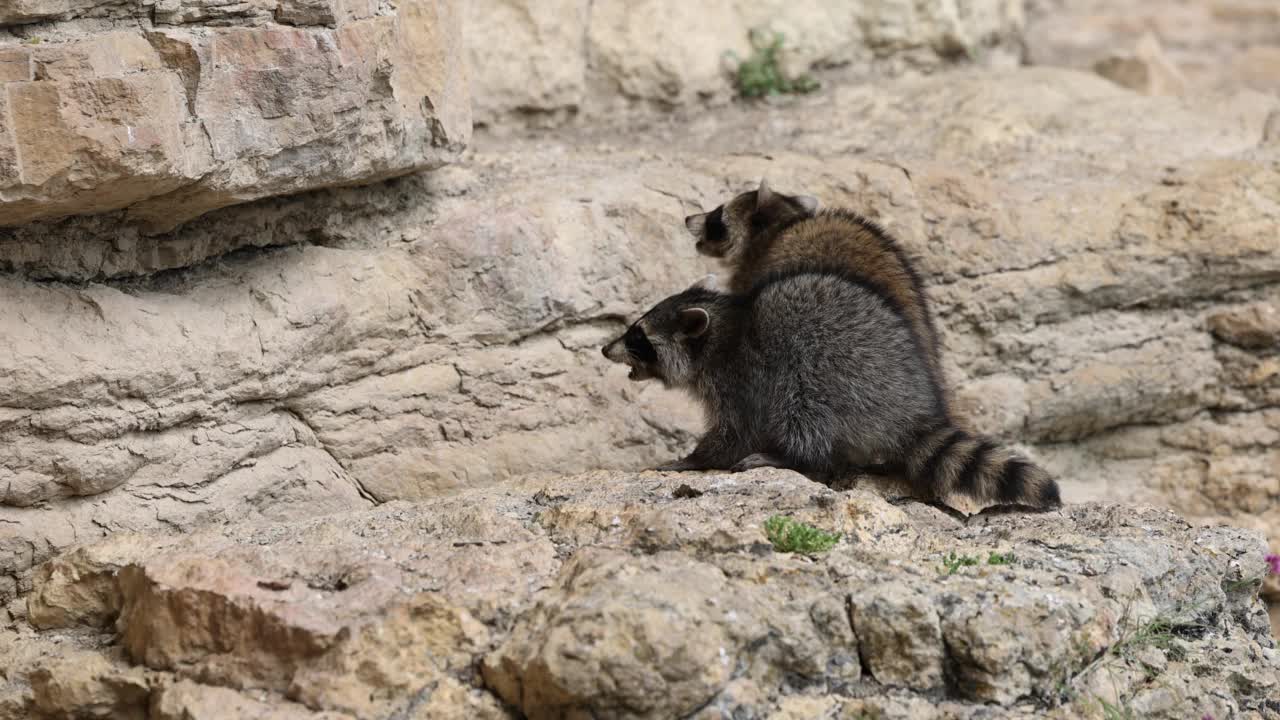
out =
column 1207, row 46
column 528, row 57
column 463, row 607
column 217, row 104
column 902, row 640
column 1259, row 68
column 454, row 340
column 543, row 62
column 1147, row 70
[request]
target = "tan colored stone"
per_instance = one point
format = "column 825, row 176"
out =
column 109, row 55
column 124, row 130
column 540, row 63
column 25, row 11
column 80, row 588
column 89, row 684
column 15, row 65
column 1073, row 306
column 1259, row 68
column 391, row 611
column 1254, row 327
column 527, row 56
column 187, row 700
column 898, row 632
column 1147, row 70
column 214, row 12
column 1213, row 45
column 175, row 123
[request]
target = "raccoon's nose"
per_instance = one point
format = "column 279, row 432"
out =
column 605, row 350
column 689, row 221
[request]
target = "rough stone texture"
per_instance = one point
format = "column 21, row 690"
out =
column 613, row 595
column 1103, row 264
column 1211, row 46
column 546, row 60
column 183, row 106
column 588, row 602
column 1146, row 69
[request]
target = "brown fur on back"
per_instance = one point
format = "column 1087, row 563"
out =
column 846, row 241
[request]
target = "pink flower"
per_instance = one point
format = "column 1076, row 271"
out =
column 1273, row 564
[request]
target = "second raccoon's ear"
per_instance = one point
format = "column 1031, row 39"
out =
column 808, row 203
column 763, row 194
column 693, row 322
column 696, row 224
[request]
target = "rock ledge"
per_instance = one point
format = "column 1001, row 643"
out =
column 613, row 595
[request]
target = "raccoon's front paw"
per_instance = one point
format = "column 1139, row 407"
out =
column 757, row 460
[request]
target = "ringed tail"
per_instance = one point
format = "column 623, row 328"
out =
column 951, row 460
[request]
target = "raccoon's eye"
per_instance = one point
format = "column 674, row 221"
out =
column 715, row 229
column 638, row 345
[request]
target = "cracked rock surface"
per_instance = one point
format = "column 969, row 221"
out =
column 1103, row 266
column 625, row 595
column 166, row 109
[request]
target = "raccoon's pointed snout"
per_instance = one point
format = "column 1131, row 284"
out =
column 610, row 351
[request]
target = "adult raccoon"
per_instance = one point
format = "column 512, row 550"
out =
column 816, row 370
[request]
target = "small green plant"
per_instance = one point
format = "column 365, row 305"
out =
column 1116, row 712
column 995, row 558
column 1231, row 587
column 32, row 41
column 760, row 74
column 1156, row 632
column 952, row 562
column 793, row 536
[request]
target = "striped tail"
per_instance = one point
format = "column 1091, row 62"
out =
column 951, row 460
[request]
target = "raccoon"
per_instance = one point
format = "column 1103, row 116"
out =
column 817, row 371
column 762, row 231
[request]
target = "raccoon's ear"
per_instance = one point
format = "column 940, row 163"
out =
column 693, row 322
column 763, row 194
column 709, row 282
column 696, row 224
column 808, row 203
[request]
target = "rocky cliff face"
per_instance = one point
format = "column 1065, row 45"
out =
column 544, row 62
column 1103, row 266
column 177, row 399
column 654, row 596
column 170, row 108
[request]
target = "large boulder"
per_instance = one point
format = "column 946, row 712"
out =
column 183, row 106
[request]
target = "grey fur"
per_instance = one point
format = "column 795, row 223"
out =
column 816, row 371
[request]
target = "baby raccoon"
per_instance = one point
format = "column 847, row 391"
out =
column 816, row 371
column 762, row 231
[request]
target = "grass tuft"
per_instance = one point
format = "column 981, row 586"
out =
column 952, row 562
column 793, row 536
column 996, row 558
column 761, row 75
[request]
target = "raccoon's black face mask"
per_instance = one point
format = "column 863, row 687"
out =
column 710, row 231
column 635, row 349
column 722, row 232
column 658, row 344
